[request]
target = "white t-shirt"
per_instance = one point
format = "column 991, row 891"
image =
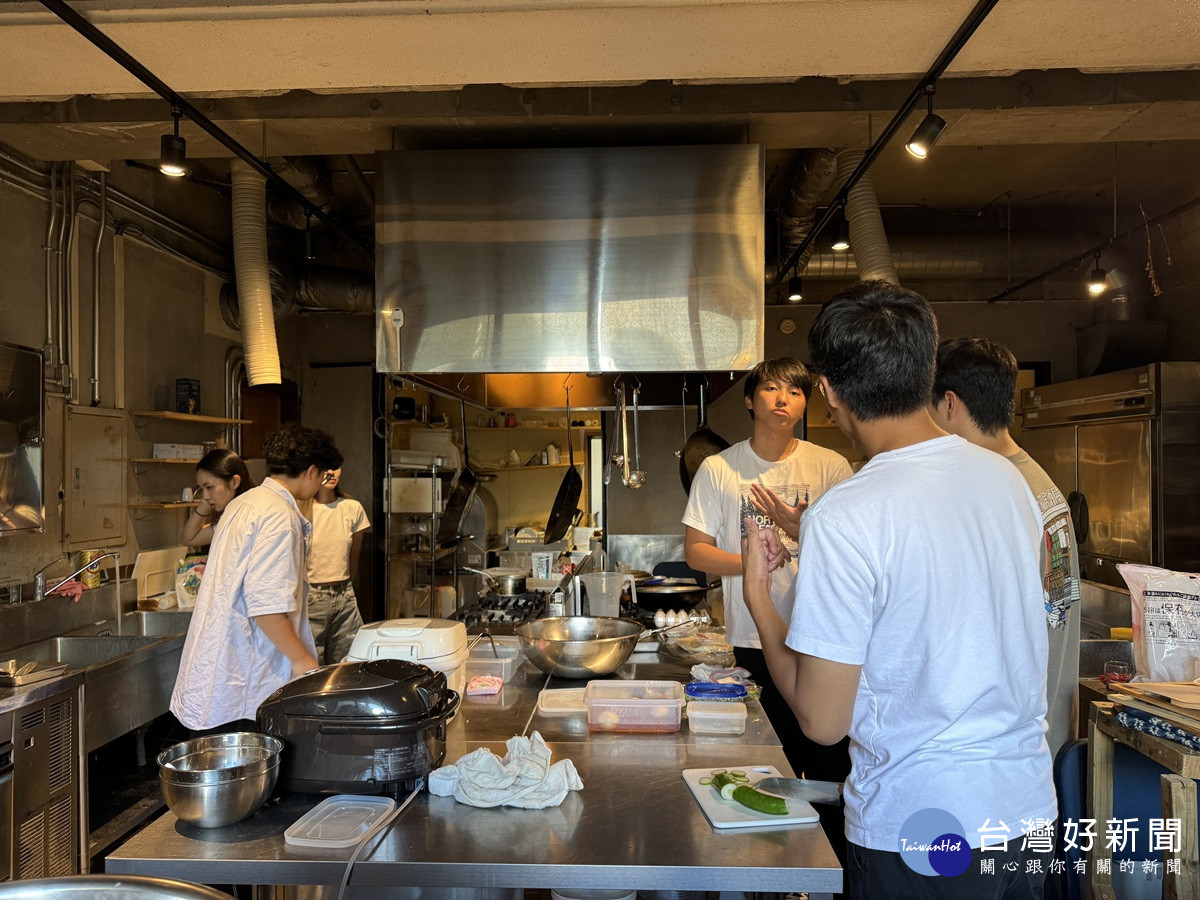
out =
column 720, row 498
column 333, row 528
column 924, row 569
column 255, row 567
column 1062, row 603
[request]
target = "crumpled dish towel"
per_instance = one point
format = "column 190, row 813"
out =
column 525, row 778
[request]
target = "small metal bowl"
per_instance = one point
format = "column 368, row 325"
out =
column 219, row 779
column 579, row 646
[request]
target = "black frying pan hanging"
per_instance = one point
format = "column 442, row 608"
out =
column 462, row 492
column 566, row 504
column 702, row 443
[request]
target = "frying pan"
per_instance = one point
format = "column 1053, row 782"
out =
column 703, row 443
column 562, row 514
column 462, row 492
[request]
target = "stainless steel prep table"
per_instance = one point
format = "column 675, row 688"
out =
column 635, row 824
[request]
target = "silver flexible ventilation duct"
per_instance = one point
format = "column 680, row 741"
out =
column 868, row 241
column 253, row 277
column 813, row 178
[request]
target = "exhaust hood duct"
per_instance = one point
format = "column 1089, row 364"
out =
column 868, row 241
column 254, row 281
column 814, row 176
column 307, row 176
column 624, row 259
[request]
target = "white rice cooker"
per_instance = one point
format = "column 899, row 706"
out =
column 437, row 643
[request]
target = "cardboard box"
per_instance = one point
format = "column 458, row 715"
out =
column 187, row 395
column 177, row 451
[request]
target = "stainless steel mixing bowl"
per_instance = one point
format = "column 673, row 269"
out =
column 579, row 646
column 219, row 779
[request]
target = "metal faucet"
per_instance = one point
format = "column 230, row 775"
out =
column 39, row 580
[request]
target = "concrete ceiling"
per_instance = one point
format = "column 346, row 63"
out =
column 1049, row 105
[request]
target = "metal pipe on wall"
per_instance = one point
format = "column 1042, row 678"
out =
column 96, row 289
column 50, row 349
column 66, row 330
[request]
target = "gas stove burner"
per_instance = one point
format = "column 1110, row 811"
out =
column 509, row 609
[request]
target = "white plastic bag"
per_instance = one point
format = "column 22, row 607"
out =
column 1166, row 622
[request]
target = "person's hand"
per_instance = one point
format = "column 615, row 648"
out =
column 303, row 665
column 203, row 510
column 762, row 553
column 782, row 514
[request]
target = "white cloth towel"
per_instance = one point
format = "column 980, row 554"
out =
column 524, row 778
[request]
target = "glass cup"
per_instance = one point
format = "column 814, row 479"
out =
column 1116, row 670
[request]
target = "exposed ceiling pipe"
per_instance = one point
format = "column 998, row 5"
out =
column 160, row 87
column 360, row 180
column 50, row 348
column 957, row 42
column 814, row 176
column 96, row 290
column 309, row 177
column 868, row 240
column 253, row 278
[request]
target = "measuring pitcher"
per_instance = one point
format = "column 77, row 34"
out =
column 604, row 592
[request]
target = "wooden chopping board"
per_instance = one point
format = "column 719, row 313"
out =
column 731, row 814
column 1181, row 693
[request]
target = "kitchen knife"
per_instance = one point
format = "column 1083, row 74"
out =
column 802, row 789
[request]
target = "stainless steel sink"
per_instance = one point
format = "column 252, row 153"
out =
column 127, row 679
column 170, row 621
column 83, row 652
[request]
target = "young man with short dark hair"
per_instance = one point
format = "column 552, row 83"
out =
column 918, row 622
column 974, row 394
column 249, row 633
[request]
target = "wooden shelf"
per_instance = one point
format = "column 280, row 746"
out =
column 534, row 468
column 173, row 504
column 593, row 429
column 188, row 417
column 165, row 462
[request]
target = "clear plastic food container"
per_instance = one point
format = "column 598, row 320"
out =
column 504, row 662
column 716, row 717
column 634, row 706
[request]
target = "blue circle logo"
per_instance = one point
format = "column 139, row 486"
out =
column 932, row 842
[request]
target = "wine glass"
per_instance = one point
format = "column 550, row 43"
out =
column 1116, row 670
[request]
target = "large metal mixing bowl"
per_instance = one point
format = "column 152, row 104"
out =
column 578, row 646
column 219, row 779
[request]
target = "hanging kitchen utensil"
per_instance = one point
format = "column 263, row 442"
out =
column 703, row 443
column 612, row 457
column 624, row 439
column 567, row 502
column 637, row 477
column 462, row 492
column 683, row 409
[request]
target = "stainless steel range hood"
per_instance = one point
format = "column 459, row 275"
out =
column 598, row 260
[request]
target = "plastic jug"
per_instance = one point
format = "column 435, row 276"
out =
column 604, row 592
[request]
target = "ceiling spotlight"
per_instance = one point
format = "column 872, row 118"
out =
column 795, row 292
column 172, row 155
column 1096, row 283
column 841, row 236
column 928, row 131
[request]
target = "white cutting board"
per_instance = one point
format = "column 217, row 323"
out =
column 731, row 814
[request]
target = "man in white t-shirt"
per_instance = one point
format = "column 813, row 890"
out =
column 973, row 396
column 249, row 633
column 918, row 627
column 773, row 476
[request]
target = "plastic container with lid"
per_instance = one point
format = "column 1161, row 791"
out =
column 634, row 706
column 716, row 717
column 437, row 643
column 504, row 662
column 715, row 691
column 339, row 821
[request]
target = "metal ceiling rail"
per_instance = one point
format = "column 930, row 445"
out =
column 951, row 50
column 156, row 84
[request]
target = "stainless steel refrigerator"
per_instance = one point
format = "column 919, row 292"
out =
column 1125, row 449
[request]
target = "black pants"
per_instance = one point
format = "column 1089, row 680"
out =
column 876, row 874
column 807, row 758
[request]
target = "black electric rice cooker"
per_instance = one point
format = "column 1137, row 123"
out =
column 360, row 728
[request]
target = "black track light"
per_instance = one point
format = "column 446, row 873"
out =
column 928, row 131
column 795, row 292
column 172, row 154
column 841, row 236
column 1096, row 281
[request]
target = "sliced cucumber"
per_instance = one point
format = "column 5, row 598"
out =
column 758, row 801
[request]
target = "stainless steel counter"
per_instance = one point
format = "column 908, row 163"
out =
column 634, row 825
column 15, row 698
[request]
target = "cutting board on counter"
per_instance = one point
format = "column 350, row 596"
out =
column 154, row 571
column 731, row 814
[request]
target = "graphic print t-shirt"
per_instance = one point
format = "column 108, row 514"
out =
column 721, row 497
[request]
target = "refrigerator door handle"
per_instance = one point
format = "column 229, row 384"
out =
column 1077, row 503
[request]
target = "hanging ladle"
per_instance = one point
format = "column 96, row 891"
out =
column 637, row 478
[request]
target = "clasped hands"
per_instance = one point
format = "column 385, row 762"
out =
column 762, row 553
